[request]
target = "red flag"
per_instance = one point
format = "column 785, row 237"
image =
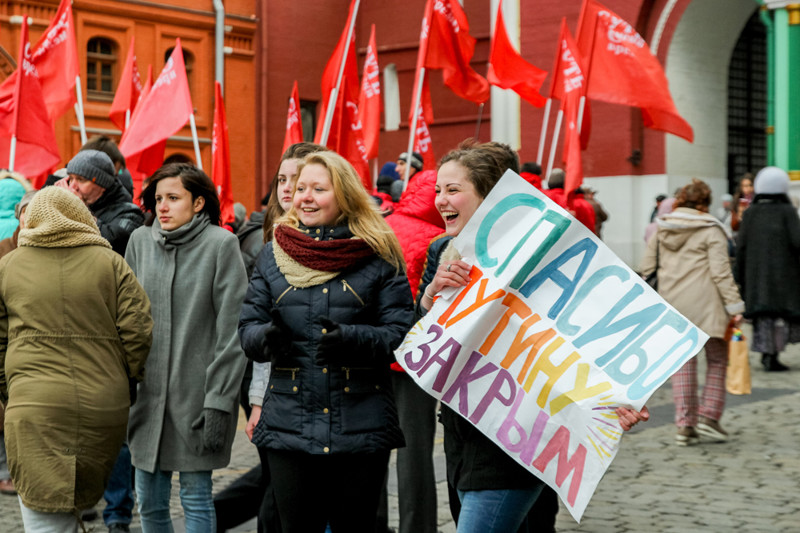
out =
column 221, row 158
column 56, row 59
column 569, row 72
column 369, row 102
column 425, row 96
column 508, row 70
column 128, row 90
column 294, row 126
column 331, row 73
column 624, row 71
column 450, row 47
column 166, row 109
column 347, row 136
column 423, row 143
column 144, row 163
column 26, row 118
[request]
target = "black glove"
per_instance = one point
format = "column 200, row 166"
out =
column 278, row 339
column 215, row 428
column 331, row 342
column 133, row 383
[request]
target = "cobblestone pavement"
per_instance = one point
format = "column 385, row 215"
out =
column 751, row 483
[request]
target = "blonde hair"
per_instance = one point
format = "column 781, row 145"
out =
column 357, row 208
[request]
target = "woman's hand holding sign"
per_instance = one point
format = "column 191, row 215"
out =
column 449, row 274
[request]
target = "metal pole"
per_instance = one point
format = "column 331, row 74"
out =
column 581, row 107
column 478, row 125
column 326, row 128
column 79, row 108
column 412, row 130
column 196, row 142
column 12, row 152
column 554, row 143
column 543, row 133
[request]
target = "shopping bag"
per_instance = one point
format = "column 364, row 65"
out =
column 738, row 378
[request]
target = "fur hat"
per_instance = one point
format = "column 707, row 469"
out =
column 95, row 166
column 416, row 159
column 23, row 203
column 771, row 180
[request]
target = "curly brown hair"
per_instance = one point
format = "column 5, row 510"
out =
column 696, row 195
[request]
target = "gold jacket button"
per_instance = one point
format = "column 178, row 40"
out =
column 326, row 449
column 325, row 290
column 347, row 389
column 294, row 389
column 324, row 331
column 325, row 410
column 324, row 370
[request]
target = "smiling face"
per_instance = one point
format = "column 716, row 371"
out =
column 456, row 197
column 174, row 204
column 314, row 199
column 287, row 175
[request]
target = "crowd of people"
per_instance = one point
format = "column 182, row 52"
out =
column 132, row 334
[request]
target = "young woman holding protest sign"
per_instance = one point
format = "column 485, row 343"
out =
column 496, row 493
column 327, row 304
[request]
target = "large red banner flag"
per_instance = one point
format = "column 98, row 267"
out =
column 369, row 101
column 128, row 90
column 331, row 73
column 569, row 72
column 144, row 163
column 423, row 142
column 425, row 95
column 294, row 125
column 450, row 47
column 26, row 119
column 55, row 57
column 166, row 109
column 508, row 70
column 347, row 136
column 221, row 158
column 623, row 70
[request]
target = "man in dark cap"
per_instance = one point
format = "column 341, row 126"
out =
column 415, row 162
column 91, row 176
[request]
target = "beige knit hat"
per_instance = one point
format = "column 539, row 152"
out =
column 57, row 218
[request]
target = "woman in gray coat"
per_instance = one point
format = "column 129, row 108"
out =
column 185, row 416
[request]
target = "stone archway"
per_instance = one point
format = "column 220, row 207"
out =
column 697, row 66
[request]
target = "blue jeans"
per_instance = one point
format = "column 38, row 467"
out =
column 153, row 491
column 495, row 511
column 119, row 491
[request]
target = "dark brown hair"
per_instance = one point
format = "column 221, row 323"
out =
column 274, row 210
column 483, row 165
column 193, row 180
column 696, row 195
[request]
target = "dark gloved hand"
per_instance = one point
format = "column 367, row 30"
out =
column 278, row 338
column 332, row 341
column 215, row 428
column 133, row 384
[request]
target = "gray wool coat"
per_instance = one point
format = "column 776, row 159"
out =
column 196, row 282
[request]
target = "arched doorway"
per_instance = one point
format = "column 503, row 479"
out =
column 698, row 67
column 747, row 102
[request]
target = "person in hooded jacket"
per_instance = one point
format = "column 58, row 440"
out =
column 690, row 253
column 768, row 267
column 327, row 304
column 13, row 187
column 67, row 353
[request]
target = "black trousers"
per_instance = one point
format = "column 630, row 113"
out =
column 314, row 490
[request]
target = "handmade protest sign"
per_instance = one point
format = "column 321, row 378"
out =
column 552, row 333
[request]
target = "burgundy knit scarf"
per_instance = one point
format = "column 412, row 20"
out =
column 336, row 255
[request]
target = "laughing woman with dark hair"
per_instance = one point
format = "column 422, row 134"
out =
column 185, row 417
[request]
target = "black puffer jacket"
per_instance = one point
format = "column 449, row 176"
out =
column 117, row 216
column 346, row 406
column 768, row 258
column 474, row 462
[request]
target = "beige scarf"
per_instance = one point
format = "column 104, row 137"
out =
column 56, row 218
column 296, row 274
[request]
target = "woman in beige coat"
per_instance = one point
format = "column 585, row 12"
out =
column 74, row 328
column 690, row 251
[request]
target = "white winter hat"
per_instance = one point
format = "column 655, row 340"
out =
column 771, row 180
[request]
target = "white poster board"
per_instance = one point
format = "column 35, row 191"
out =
column 552, row 333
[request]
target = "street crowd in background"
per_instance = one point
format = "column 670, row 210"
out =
column 133, row 329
